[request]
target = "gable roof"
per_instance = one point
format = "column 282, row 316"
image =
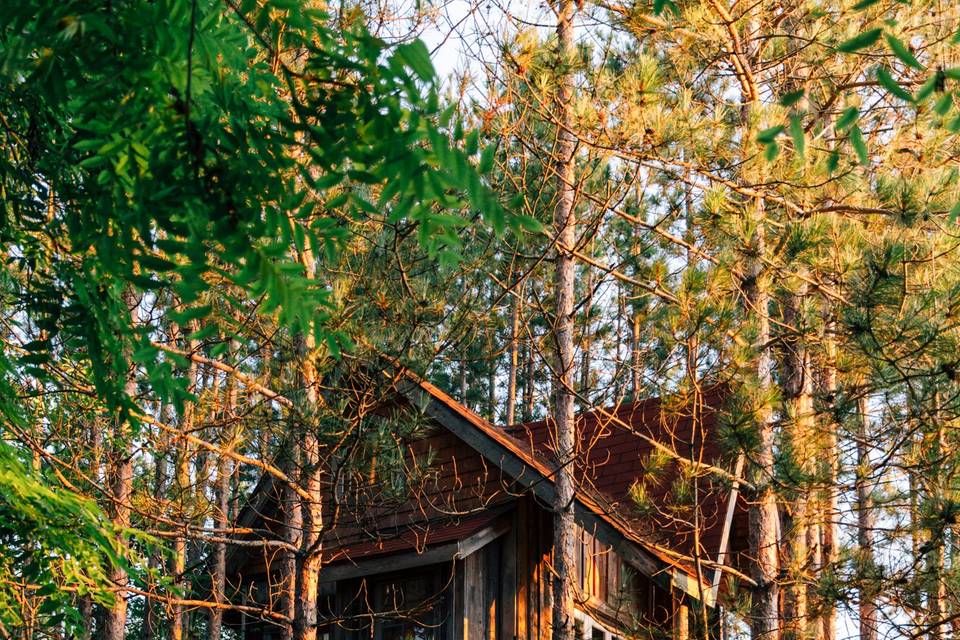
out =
column 600, row 502
column 616, row 458
column 599, row 507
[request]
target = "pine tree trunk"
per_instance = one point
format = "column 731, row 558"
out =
column 293, row 528
column 218, row 576
column 85, row 607
column 529, row 382
column 618, row 385
column 586, row 342
column 308, row 560
column 764, row 516
column 121, row 489
column 797, row 383
column 178, row 615
column 935, row 538
column 564, row 530
column 868, row 608
column 514, row 355
column 635, row 356
column 492, row 391
column 829, row 535
column 160, row 478
column 224, row 515
column 88, row 612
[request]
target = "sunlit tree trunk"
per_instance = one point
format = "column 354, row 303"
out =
column 160, row 487
column 756, row 285
column 764, row 516
column 586, row 341
column 564, row 531
column 865, row 523
column 829, row 536
column 529, row 383
column 308, row 559
column 121, row 487
column 511, row 415
column 184, row 486
column 222, row 517
column 797, row 382
column 635, row 355
column 935, row 449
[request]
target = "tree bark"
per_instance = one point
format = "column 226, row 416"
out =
column 514, row 354
column 635, row 359
column 867, row 606
column 309, row 557
column 121, row 489
column 797, row 383
column 178, row 615
column 586, row 342
column 529, row 385
column 160, row 488
column 829, row 534
column 764, row 515
column 564, row 533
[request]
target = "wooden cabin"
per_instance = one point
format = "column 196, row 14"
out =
column 450, row 538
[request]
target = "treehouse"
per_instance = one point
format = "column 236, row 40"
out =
column 446, row 534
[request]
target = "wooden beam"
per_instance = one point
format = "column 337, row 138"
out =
column 725, row 532
column 396, row 562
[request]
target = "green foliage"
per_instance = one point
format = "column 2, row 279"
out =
column 158, row 150
column 56, row 545
column 860, row 41
column 203, row 171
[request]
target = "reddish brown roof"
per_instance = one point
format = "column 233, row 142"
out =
column 416, row 537
column 618, row 461
column 605, row 491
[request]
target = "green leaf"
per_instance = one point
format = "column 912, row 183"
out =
column 660, row 5
column 954, row 213
column 797, row 134
column 769, row 135
column 891, row 85
column 926, row 89
column 861, row 41
column 856, row 139
column 203, row 332
column 791, row 98
column 847, row 118
column 529, row 223
column 472, row 142
column 833, row 161
column 903, row 52
column 487, row 158
column 156, row 263
column 954, row 125
column 864, row 4
column 192, row 313
column 416, row 56
column 942, row 107
column 771, row 151
column 953, row 73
